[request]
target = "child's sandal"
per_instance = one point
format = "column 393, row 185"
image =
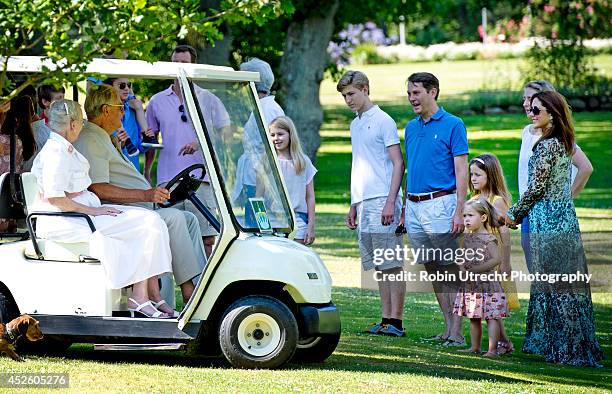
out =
column 504, row 347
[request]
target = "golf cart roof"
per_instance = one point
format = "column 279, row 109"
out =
column 137, row 68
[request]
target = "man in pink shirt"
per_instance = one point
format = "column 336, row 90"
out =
column 168, row 115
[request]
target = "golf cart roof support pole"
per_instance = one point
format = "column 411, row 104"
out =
column 228, row 232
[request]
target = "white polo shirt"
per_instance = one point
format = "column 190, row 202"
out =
column 528, row 140
column 372, row 168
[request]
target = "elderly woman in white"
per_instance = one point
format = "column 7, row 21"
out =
column 131, row 243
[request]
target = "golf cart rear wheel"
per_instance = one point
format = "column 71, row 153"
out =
column 48, row 345
column 258, row 332
column 316, row 349
column 7, row 310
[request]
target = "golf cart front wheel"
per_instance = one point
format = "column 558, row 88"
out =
column 316, row 349
column 258, row 332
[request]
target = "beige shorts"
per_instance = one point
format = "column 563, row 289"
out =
column 207, row 196
column 374, row 238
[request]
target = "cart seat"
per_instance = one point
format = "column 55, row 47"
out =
column 51, row 250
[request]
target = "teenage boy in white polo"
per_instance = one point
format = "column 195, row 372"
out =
column 436, row 186
column 376, row 174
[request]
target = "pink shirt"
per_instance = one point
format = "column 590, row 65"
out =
column 163, row 115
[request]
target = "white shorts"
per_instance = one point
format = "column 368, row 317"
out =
column 374, row 238
column 429, row 225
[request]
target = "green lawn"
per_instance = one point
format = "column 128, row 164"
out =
column 388, row 81
column 365, row 363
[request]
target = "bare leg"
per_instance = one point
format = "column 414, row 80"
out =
column 397, row 290
column 442, row 298
column 475, row 336
column 385, row 298
column 450, row 291
column 140, row 294
column 493, row 328
column 149, row 159
column 187, row 289
column 155, row 296
column 504, row 340
column 209, row 242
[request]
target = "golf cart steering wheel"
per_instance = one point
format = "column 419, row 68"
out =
column 183, row 184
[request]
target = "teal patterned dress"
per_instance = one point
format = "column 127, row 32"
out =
column 560, row 324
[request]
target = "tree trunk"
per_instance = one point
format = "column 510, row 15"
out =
column 217, row 55
column 208, row 54
column 302, row 67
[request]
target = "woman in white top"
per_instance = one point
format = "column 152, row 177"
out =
column 581, row 166
column 131, row 243
column 298, row 173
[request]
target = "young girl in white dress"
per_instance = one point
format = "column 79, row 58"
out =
column 298, row 173
column 131, row 243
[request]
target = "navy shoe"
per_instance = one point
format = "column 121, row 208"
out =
column 391, row 330
column 130, row 148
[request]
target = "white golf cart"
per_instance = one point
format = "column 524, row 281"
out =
column 261, row 299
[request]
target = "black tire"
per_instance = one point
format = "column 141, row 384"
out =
column 258, row 332
column 8, row 309
column 48, row 345
column 316, row 349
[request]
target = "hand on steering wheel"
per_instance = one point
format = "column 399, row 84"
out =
column 183, row 184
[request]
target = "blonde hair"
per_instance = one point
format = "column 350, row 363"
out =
column 496, row 183
column 97, row 97
column 483, row 207
column 355, row 78
column 295, row 147
column 61, row 112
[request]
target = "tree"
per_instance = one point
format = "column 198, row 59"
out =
column 306, row 35
column 71, row 33
column 302, row 68
column 561, row 56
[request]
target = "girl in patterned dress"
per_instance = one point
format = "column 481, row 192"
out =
column 481, row 298
column 560, row 324
column 487, row 181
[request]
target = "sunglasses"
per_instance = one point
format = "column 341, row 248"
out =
column 120, row 106
column 181, row 109
column 535, row 110
column 124, row 85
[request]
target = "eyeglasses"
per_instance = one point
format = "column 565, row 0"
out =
column 535, row 110
column 123, row 85
column 181, row 109
column 120, row 106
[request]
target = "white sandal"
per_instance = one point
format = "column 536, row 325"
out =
column 139, row 310
column 175, row 314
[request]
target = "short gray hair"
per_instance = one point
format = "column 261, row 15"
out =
column 540, row 85
column 265, row 74
column 61, row 112
column 97, row 97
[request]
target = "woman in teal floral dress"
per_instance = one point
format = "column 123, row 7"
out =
column 560, row 324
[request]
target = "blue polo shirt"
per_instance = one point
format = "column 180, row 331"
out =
column 430, row 149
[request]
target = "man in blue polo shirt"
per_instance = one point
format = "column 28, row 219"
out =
column 436, row 187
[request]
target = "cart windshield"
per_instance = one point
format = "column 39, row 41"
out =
column 229, row 113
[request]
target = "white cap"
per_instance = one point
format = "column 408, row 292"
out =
column 265, row 73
